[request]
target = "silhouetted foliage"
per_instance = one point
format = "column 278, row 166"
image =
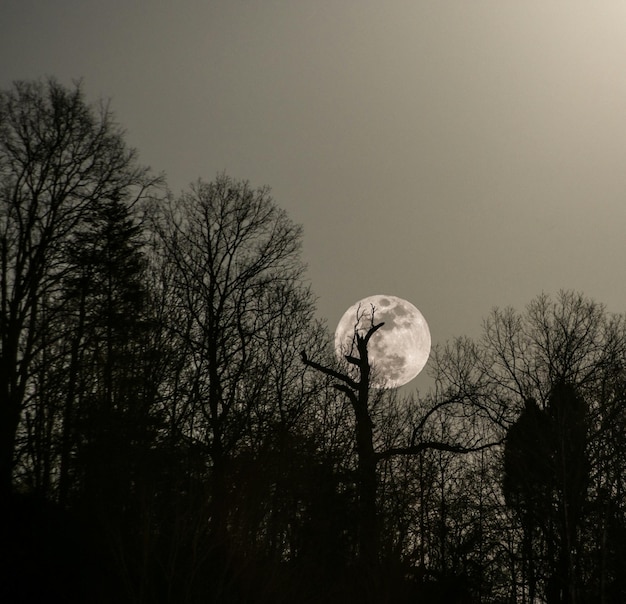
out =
column 58, row 159
column 546, row 477
column 552, row 377
column 162, row 440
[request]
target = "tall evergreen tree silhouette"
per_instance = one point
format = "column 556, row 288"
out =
column 58, row 157
column 109, row 428
column 546, row 474
column 568, row 413
column 528, row 481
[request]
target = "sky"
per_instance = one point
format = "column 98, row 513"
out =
column 460, row 154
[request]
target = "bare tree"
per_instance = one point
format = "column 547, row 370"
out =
column 512, row 373
column 237, row 308
column 358, row 393
column 415, row 438
column 58, row 157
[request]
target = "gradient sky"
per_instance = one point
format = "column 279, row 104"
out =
column 460, row 154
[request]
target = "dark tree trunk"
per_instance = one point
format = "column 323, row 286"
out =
column 9, row 420
column 367, row 481
column 367, row 478
column 10, row 409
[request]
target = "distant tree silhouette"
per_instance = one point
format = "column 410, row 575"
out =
column 569, row 416
column 358, row 393
column 357, row 390
column 163, row 440
column 238, row 309
column 58, row 157
column 567, row 355
column 111, row 421
column 546, row 476
column 528, row 482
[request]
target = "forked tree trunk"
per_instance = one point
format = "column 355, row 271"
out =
column 368, row 529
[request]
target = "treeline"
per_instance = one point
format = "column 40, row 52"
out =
column 174, row 427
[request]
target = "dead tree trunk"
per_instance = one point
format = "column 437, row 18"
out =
column 357, row 392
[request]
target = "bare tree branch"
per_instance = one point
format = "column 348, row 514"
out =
column 373, row 329
column 328, row 371
column 434, row 445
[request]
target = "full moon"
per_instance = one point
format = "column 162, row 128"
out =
column 399, row 350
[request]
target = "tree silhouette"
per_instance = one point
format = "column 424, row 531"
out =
column 569, row 415
column 528, row 482
column 357, row 390
column 567, row 340
column 165, row 440
column 238, row 309
column 58, row 157
column 546, row 476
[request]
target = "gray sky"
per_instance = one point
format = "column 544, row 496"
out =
column 459, row 154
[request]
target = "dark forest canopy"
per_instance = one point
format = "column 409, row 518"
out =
column 174, row 426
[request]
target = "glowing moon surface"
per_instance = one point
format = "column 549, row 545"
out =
column 399, row 350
